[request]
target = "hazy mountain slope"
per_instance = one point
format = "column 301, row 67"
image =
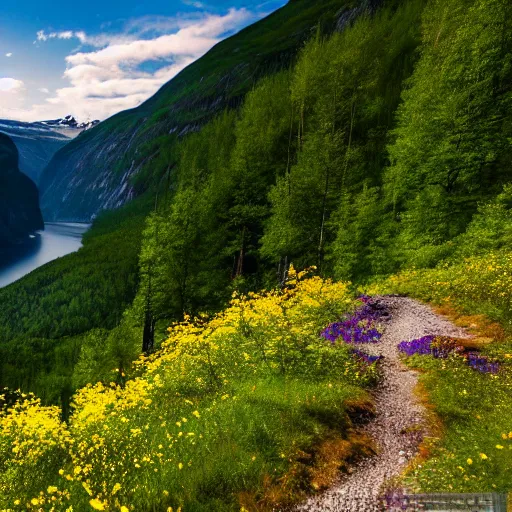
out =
column 19, row 201
column 131, row 152
column 36, row 143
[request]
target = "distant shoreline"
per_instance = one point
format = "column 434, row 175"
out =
column 69, row 223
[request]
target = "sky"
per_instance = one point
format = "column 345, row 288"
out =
column 94, row 58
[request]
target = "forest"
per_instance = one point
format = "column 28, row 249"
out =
column 378, row 151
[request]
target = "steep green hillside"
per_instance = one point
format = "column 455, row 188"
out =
column 131, row 152
column 19, row 200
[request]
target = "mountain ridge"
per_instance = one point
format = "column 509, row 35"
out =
column 131, row 152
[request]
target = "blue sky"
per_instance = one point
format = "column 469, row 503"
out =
column 97, row 57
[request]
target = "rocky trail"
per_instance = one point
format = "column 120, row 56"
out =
column 399, row 424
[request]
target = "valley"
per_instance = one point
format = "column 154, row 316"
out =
column 282, row 282
column 57, row 240
column 38, row 142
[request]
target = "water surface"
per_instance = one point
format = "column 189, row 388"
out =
column 57, row 240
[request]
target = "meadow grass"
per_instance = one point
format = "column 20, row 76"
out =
column 250, row 409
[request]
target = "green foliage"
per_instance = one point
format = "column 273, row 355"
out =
column 451, row 135
column 105, row 356
column 344, row 91
column 365, row 229
column 490, row 228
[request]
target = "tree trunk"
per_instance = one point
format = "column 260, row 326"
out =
column 148, row 336
column 240, row 264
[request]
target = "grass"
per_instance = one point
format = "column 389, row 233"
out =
column 250, row 408
column 474, row 452
column 476, row 285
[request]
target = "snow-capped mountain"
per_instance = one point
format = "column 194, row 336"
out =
column 70, row 122
column 37, row 142
column 88, row 125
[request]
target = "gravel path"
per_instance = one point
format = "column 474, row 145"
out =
column 399, row 425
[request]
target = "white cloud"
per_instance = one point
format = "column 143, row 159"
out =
column 11, row 85
column 44, row 90
column 66, row 34
column 99, row 40
column 8, row 54
column 111, row 76
column 194, row 3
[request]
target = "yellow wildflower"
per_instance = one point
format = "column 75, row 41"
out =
column 97, row 504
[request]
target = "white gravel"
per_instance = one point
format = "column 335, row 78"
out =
column 399, row 424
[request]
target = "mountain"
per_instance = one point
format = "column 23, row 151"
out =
column 70, row 122
column 20, row 214
column 38, row 142
column 131, row 152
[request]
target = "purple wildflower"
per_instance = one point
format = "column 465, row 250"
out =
column 422, row 346
column 361, row 327
column 441, row 347
column 482, row 363
column 366, row 357
column 438, row 346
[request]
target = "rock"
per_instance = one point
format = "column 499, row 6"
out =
column 19, row 198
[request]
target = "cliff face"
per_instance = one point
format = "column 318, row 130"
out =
column 20, row 214
column 127, row 155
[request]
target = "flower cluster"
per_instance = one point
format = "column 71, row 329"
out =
column 359, row 328
column 127, row 446
column 438, row 346
column 420, row 346
column 441, row 347
column 482, row 363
